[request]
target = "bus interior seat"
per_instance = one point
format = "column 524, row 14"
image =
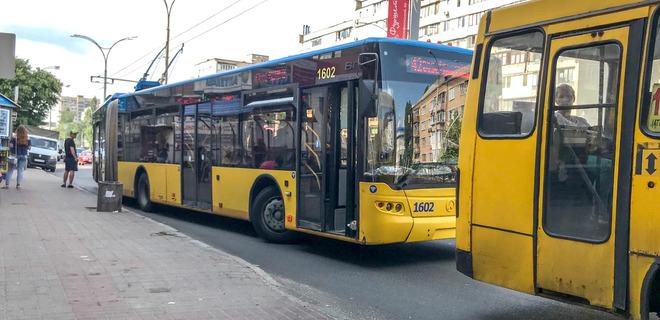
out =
column 502, row 122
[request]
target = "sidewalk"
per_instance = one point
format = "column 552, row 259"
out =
column 60, row 259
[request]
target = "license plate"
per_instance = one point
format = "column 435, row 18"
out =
column 39, row 160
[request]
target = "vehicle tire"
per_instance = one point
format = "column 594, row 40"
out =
column 52, row 169
column 142, row 194
column 267, row 217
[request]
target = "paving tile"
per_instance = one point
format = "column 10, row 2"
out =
column 60, row 261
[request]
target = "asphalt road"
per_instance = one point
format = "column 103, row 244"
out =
column 408, row 281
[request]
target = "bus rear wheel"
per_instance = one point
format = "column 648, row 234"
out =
column 267, row 216
column 143, row 195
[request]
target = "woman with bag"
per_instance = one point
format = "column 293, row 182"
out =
column 18, row 148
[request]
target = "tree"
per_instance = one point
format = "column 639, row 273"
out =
column 86, row 127
column 453, row 138
column 66, row 123
column 38, row 91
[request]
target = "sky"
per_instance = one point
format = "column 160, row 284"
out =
column 230, row 29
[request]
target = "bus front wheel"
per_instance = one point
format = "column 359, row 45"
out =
column 267, row 216
column 143, row 196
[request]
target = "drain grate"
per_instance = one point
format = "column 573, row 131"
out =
column 91, row 208
column 18, row 204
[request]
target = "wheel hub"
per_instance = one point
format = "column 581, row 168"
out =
column 274, row 215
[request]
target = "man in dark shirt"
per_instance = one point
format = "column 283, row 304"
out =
column 70, row 160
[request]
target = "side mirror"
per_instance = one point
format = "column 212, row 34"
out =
column 368, row 87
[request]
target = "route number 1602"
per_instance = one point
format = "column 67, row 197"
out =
column 423, row 207
column 326, row 72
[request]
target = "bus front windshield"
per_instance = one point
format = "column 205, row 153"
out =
column 413, row 140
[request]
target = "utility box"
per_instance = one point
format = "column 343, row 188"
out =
column 109, row 196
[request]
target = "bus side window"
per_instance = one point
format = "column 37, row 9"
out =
column 508, row 107
column 651, row 111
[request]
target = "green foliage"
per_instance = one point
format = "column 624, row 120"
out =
column 453, row 138
column 38, row 91
column 83, row 127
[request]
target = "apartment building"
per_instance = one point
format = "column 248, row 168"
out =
column 452, row 22
column 75, row 105
column 434, row 114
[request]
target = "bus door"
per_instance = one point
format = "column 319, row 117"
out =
column 197, row 157
column 582, row 196
column 326, row 180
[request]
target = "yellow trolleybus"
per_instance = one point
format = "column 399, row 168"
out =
column 559, row 176
column 345, row 142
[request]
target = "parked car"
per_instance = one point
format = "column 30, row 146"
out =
column 84, row 157
column 43, row 153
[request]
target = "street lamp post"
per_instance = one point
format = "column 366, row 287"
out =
column 105, row 56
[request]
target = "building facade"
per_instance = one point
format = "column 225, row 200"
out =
column 433, row 116
column 75, row 105
column 452, row 22
column 215, row 65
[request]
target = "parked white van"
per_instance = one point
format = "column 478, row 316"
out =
column 43, row 153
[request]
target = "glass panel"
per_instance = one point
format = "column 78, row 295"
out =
column 312, row 152
column 407, row 140
column 343, row 128
column 651, row 111
column 581, row 150
column 230, row 149
column 189, row 165
column 509, row 105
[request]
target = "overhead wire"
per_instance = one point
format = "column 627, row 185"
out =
column 152, row 51
column 222, row 23
column 210, row 29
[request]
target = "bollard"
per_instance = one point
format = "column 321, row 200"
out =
column 109, row 196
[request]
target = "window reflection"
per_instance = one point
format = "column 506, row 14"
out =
column 419, row 114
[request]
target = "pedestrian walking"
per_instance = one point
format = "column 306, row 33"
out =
column 18, row 149
column 70, row 160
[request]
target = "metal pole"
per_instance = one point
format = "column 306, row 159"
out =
column 105, row 75
column 168, row 8
column 415, row 7
column 105, row 57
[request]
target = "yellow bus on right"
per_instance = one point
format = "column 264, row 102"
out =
column 559, row 187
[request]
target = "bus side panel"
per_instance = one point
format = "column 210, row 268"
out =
column 639, row 267
column 547, row 10
column 126, row 175
column 231, row 191
column 644, row 218
column 503, row 258
column 157, row 174
column 466, row 156
column 377, row 224
column 173, row 184
column 505, row 195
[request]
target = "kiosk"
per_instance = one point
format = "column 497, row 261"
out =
column 7, row 108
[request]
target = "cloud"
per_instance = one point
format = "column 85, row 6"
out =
column 52, row 36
